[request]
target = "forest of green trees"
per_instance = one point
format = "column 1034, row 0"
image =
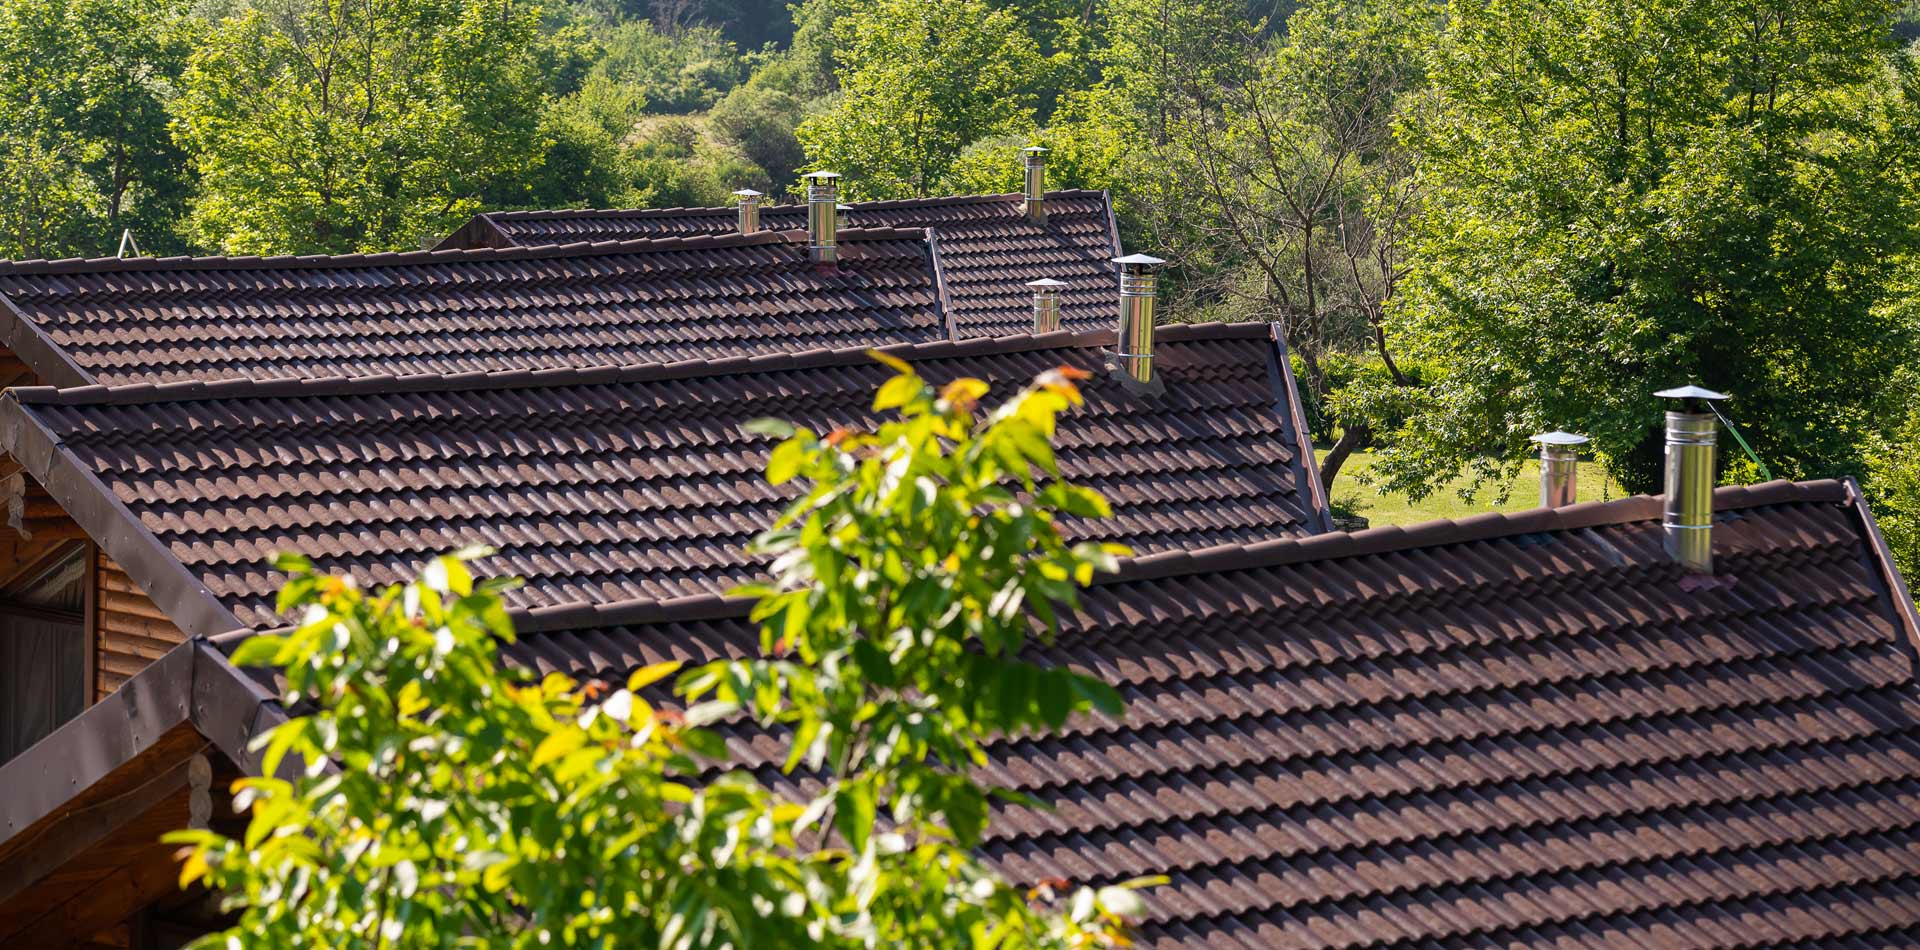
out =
column 1475, row 219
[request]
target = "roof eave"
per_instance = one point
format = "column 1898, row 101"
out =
column 942, row 298
column 192, row 686
column 1896, row 586
column 110, row 523
column 1287, row 393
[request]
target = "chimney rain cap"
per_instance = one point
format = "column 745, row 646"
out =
column 748, row 193
column 1142, row 260
column 821, row 175
column 1046, row 282
column 1690, row 392
column 1557, row 437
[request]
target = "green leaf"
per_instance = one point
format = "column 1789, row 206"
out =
column 777, row 428
column 261, row 649
column 1100, row 695
column 292, row 563
column 874, row 663
column 1054, row 697
column 853, row 814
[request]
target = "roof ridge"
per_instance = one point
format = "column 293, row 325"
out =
column 1479, row 527
column 82, row 265
column 1235, row 557
column 886, row 204
column 130, row 393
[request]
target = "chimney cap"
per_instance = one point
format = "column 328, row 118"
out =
column 1046, row 282
column 843, row 207
column 1139, row 260
column 749, row 193
column 1034, row 150
column 1690, row 391
column 1558, row 437
column 821, row 175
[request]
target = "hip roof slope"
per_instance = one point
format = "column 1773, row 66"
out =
column 989, row 247
column 591, row 304
column 637, row 482
column 1522, row 731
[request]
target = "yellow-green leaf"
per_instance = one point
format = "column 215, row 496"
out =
column 899, row 365
column 648, row 675
column 557, row 745
column 897, row 391
column 193, row 869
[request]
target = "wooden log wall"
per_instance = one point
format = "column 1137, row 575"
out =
column 129, row 631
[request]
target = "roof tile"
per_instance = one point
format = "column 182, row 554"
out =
column 614, row 484
column 1518, row 732
column 989, row 249
column 608, row 304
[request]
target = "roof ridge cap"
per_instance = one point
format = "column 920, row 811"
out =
column 561, row 214
column 1483, row 526
column 186, row 391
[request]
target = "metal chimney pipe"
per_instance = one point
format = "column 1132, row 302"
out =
column 749, row 210
column 1046, row 304
column 823, row 216
column 1559, row 468
column 1033, row 160
column 1687, row 517
column 1138, row 289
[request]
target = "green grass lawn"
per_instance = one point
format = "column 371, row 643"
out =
column 1378, row 509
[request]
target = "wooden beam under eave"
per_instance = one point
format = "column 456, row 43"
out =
column 104, row 827
column 15, row 371
column 40, row 506
column 48, row 529
column 122, row 893
column 28, row 560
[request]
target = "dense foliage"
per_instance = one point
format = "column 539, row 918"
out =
column 923, row 81
column 1656, row 192
column 320, row 126
column 85, row 151
column 1471, row 220
column 442, row 801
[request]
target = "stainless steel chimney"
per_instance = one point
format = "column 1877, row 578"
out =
column 823, row 216
column 749, row 210
column 1138, row 289
column 1033, row 160
column 1046, row 304
column 1559, row 468
column 1688, row 514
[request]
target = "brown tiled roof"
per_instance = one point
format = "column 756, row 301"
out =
column 608, row 484
column 988, row 247
column 1514, row 730
column 606, row 304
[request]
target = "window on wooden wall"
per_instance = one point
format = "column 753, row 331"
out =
column 43, row 648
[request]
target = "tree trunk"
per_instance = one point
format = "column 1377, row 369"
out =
column 1352, row 437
